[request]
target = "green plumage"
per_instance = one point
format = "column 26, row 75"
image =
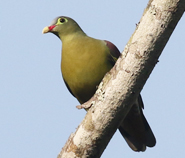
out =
column 85, row 69
column 85, row 61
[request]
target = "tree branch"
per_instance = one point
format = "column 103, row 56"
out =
column 121, row 86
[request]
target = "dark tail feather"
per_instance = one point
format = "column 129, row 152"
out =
column 136, row 130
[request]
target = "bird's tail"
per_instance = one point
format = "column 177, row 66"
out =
column 136, row 130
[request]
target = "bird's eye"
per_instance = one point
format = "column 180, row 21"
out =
column 62, row 20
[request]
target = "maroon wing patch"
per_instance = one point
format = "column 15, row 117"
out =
column 113, row 49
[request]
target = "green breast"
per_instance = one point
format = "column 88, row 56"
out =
column 85, row 61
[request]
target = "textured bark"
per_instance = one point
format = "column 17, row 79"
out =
column 121, row 86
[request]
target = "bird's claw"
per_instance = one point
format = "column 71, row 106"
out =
column 86, row 105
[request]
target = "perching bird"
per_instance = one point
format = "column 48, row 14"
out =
column 85, row 61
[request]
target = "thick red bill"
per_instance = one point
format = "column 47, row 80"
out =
column 48, row 29
column 51, row 27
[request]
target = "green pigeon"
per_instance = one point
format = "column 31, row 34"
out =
column 85, row 61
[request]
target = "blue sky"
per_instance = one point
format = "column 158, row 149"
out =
column 37, row 113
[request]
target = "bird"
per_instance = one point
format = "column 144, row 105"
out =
column 85, row 61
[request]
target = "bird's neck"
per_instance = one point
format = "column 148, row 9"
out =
column 71, row 36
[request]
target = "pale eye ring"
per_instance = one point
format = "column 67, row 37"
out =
column 62, row 20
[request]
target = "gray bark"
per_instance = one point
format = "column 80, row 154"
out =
column 121, row 86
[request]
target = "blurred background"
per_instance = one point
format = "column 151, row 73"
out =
column 37, row 113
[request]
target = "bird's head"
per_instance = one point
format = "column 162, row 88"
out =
column 63, row 26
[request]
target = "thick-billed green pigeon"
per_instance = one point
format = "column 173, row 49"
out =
column 85, row 61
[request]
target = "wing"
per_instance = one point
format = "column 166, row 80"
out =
column 114, row 52
column 68, row 88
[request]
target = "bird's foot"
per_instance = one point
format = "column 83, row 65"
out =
column 86, row 105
